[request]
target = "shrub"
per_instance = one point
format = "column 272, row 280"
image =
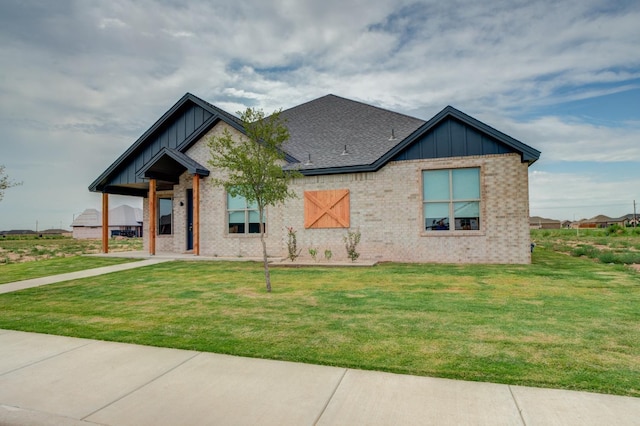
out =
column 328, row 254
column 351, row 241
column 585, row 250
column 608, row 257
column 630, row 257
column 313, row 252
column 292, row 244
column 614, row 230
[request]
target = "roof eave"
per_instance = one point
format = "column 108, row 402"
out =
column 360, row 168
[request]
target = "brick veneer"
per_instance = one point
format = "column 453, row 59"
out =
column 386, row 207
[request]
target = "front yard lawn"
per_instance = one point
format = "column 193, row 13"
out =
column 562, row 322
column 59, row 265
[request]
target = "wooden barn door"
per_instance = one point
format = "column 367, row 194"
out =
column 326, row 209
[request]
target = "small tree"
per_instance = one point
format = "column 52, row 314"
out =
column 351, row 242
column 254, row 165
column 5, row 183
column 292, row 244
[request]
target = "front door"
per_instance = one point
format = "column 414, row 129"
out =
column 189, row 219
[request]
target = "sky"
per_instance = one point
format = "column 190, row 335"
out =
column 80, row 81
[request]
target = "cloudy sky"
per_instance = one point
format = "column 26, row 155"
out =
column 80, row 81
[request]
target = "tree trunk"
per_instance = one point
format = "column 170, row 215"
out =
column 267, row 276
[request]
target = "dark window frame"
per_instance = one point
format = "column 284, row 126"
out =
column 164, row 228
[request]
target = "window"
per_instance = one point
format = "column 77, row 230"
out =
column 165, row 216
column 243, row 217
column 451, row 196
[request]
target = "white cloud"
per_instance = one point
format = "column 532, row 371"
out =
column 574, row 196
column 573, row 140
column 180, row 34
column 111, row 22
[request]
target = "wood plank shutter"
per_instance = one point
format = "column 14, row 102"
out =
column 326, row 209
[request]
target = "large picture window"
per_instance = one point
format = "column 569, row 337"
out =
column 451, row 199
column 165, row 216
column 243, row 217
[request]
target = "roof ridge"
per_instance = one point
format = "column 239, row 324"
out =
column 386, row 110
column 307, row 102
column 362, row 103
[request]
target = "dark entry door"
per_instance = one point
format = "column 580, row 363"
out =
column 189, row 219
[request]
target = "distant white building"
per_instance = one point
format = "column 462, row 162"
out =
column 123, row 220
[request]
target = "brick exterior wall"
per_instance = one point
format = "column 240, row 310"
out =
column 386, row 207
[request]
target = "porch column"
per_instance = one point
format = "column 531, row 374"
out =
column 196, row 215
column 152, row 217
column 105, row 222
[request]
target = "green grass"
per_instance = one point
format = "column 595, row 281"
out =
column 562, row 322
column 60, row 265
column 606, row 245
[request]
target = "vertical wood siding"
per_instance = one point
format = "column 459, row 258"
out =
column 172, row 135
column 451, row 138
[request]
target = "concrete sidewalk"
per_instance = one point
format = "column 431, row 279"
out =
column 54, row 380
column 37, row 282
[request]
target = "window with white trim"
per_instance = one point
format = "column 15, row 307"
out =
column 451, row 199
column 243, row 217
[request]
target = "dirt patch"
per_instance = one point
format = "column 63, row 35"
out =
column 20, row 250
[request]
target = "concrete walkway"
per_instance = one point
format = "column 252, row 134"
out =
column 37, row 282
column 54, row 380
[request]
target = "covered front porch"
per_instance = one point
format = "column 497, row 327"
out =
column 160, row 175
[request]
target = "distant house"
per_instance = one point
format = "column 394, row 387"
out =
column 18, row 232
column 537, row 222
column 600, row 221
column 123, row 220
column 627, row 220
column 53, row 231
column 450, row 189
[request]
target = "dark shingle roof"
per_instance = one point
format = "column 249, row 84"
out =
column 323, row 127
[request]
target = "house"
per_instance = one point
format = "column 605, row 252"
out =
column 58, row 231
column 599, row 221
column 123, row 220
column 450, row 189
column 630, row 219
column 537, row 222
column 18, row 232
